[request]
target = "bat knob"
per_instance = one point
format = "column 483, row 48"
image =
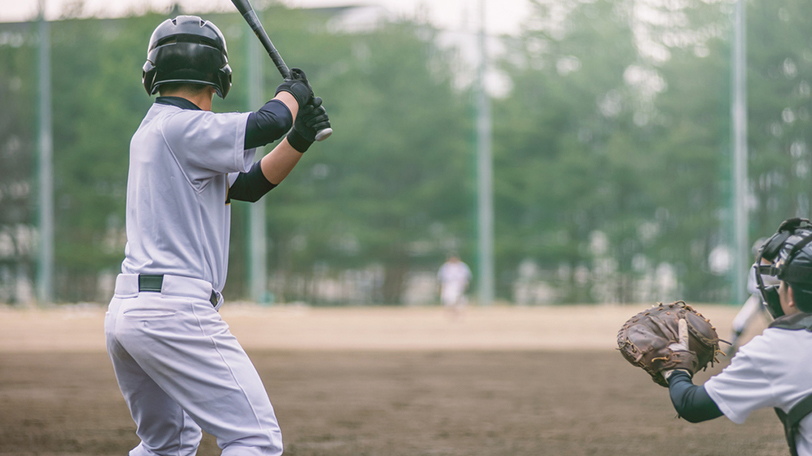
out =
column 324, row 134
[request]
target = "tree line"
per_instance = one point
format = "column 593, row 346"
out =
column 611, row 143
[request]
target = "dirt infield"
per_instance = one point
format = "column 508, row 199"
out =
column 382, row 381
column 81, row 327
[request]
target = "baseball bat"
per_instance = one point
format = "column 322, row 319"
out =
column 247, row 11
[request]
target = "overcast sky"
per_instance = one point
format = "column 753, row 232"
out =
column 503, row 16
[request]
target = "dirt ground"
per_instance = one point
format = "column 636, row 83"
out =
column 383, row 381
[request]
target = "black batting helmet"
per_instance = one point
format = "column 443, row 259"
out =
column 789, row 253
column 187, row 49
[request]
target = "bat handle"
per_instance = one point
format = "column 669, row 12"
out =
column 324, row 134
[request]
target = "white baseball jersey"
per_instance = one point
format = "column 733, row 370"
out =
column 177, row 220
column 454, row 273
column 772, row 370
column 453, row 277
column 178, row 366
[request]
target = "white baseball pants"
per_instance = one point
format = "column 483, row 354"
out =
column 453, row 294
column 181, row 370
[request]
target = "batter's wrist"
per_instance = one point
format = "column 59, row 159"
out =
column 298, row 142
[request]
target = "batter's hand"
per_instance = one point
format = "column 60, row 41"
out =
column 311, row 119
column 298, row 86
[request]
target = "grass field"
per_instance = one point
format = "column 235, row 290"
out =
column 384, row 381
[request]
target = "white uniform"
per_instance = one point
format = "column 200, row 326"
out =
column 454, row 278
column 772, row 370
column 178, row 366
column 753, row 306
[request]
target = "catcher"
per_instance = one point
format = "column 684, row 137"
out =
column 772, row 370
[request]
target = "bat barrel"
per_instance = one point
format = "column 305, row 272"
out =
column 247, row 11
column 253, row 21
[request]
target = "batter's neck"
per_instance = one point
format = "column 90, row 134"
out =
column 201, row 99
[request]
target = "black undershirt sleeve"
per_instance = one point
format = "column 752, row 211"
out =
column 691, row 401
column 250, row 186
column 268, row 124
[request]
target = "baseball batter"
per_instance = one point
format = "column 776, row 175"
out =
column 775, row 368
column 178, row 366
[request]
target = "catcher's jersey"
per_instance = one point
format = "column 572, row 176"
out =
column 772, row 370
column 178, row 221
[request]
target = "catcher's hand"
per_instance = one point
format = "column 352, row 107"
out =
column 668, row 337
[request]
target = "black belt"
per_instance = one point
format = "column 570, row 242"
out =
column 148, row 282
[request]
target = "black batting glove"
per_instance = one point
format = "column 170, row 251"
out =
column 310, row 120
column 297, row 86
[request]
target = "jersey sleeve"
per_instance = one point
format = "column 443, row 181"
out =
column 743, row 386
column 207, row 144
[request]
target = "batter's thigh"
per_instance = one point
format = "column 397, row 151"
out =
column 163, row 426
column 184, row 346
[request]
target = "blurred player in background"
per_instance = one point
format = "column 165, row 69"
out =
column 752, row 308
column 774, row 369
column 178, row 366
column 454, row 277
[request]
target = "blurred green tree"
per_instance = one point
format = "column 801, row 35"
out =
column 17, row 162
column 98, row 103
column 389, row 188
column 611, row 149
column 779, row 82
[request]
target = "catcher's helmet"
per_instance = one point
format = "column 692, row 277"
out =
column 187, row 49
column 790, row 256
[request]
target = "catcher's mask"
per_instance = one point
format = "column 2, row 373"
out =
column 789, row 261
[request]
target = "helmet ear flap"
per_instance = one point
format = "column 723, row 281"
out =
column 224, row 77
column 148, row 77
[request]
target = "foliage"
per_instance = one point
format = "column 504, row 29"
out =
column 389, row 186
column 17, row 141
column 611, row 148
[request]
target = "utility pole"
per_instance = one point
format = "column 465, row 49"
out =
column 484, row 173
column 257, row 245
column 739, row 117
column 45, row 171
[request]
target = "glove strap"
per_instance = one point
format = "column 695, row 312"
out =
column 298, row 142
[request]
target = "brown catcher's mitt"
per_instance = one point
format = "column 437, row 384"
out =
column 651, row 340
